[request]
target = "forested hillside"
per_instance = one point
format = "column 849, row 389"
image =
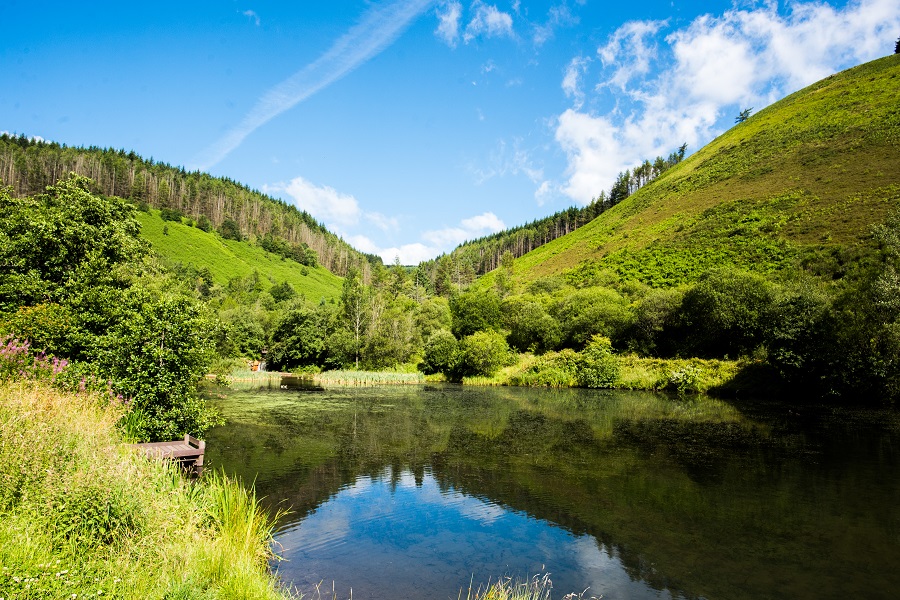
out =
column 29, row 166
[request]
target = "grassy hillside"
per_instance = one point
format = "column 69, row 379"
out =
column 799, row 183
column 227, row 258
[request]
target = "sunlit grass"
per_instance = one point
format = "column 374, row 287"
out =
column 538, row 587
column 364, row 378
column 82, row 515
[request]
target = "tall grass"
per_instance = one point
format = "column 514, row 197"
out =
column 364, row 378
column 536, row 588
column 82, row 515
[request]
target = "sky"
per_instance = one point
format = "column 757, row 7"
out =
column 410, row 126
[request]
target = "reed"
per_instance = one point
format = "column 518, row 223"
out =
column 367, row 378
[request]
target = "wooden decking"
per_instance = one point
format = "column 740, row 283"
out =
column 189, row 452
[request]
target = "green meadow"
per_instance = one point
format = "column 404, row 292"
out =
column 227, row 259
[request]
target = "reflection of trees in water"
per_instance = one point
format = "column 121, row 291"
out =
column 698, row 503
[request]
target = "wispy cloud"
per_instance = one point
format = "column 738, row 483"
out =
column 683, row 86
column 558, row 16
column 571, row 83
column 449, row 14
column 251, row 14
column 488, row 21
column 378, row 28
column 505, row 160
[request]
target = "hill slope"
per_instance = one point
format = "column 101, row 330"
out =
column 799, row 183
column 29, row 166
column 228, row 258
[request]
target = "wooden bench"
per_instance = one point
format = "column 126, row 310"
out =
column 189, row 452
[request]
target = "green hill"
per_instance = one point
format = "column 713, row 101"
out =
column 28, row 166
column 226, row 259
column 800, row 184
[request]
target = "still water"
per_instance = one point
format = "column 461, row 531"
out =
column 414, row 492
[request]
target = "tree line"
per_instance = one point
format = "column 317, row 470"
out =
column 29, row 166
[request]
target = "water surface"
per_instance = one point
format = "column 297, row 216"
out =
column 415, row 491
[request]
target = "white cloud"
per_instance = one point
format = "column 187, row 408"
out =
column 449, row 15
column 486, row 222
column 436, row 241
column 684, row 88
column 628, row 49
column 488, row 21
column 571, row 83
column 323, row 202
column 378, row 28
column 558, row 16
column 409, row 254
column 252, row 16
column 382, row 222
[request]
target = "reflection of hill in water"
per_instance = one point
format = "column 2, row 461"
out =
column 691, row 497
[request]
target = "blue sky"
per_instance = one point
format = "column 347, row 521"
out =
column 408, row 126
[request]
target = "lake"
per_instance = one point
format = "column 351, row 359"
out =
column 418, row 491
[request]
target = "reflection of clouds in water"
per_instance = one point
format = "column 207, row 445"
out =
column 603, row 572
column 477, row 510
column 374, row 531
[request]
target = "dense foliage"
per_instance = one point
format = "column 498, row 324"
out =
column 75, row 282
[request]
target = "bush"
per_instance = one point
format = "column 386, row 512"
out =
column 598, row 368
column 724, row 314
column 169, row 214
column 483, row 353
column 229, row 230
column 530, row 327
column 441, row 353
column 204, row 224
column 475, row 311
column 589, row 312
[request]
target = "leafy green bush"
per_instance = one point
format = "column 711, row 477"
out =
column 483, row 353
column 686, row 380
column 170, row 214
column 475, row 311
column 725, row 313
column 530, row 327
column 204, row 224
column 553, row 369
column 592, row 311
column 441, row 353
column 230, row 230
column 598, row 367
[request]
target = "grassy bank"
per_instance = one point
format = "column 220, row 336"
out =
column 629, row 372
column 83, row 516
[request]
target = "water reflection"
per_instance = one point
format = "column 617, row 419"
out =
column 407, row 492
column 438, row 539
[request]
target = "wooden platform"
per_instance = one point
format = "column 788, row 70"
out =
column 189, row 452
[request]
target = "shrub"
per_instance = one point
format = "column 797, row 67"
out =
column 686, row 380
column 589, row 312
column 229, row 230
column 483, row 353
column 724, row 313
column 598, row 368
column 475, row 311
column 170, row 214
column 441, row 353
